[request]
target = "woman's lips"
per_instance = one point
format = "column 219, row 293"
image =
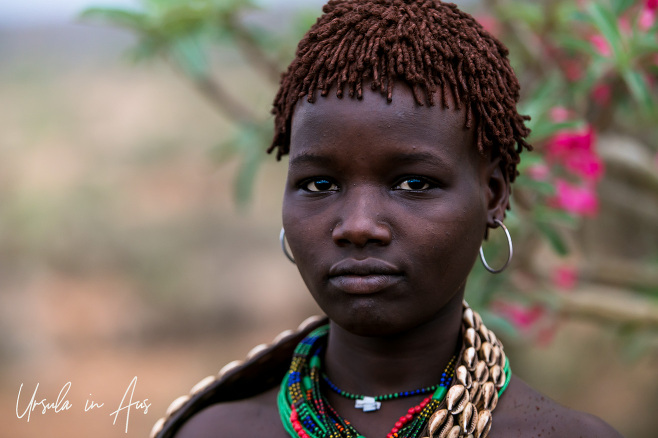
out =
column 364, row 284
column 364, row 276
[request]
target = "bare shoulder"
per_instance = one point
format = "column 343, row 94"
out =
column 524, row 412
column 256, row 416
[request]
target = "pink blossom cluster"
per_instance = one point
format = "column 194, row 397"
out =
column 534, row 318
column 574, row 151
column 648, row 15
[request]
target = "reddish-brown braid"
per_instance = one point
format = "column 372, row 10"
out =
column 430, row 45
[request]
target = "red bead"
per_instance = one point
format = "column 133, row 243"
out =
column 408, row 417
column 394, row 430
column 417, row 410
column 412, row 410
column 398, row 425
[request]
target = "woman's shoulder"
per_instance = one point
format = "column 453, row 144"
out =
column 524, row 412
column 255, row 416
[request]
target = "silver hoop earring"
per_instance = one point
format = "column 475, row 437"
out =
column 282, row 239
column 509, row 257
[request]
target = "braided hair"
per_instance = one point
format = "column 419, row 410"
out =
column 429, row 45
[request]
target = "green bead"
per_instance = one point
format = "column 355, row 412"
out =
column 440, row 393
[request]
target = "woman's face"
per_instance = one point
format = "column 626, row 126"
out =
column 385, row 207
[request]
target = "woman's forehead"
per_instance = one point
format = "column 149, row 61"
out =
column 332, row 119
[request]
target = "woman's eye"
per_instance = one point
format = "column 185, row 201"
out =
column 320, row 185
column 413, row 184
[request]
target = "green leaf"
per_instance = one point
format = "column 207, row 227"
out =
column 190, row 56
column 553, row 237
column 529, row 160
column 605, row 20
column 620, row 6
column 640, row 90
column 552, row 216
column 543, row 187
column 576, row 44
column 498, row 323
column 127, row 18
column 530, row 13
column 546, row 129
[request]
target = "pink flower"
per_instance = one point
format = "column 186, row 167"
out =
column 489, row 23
column 600, row 45
column 624, row 25
column 647, row 19
column 539, row 172
column 578, row 200
column 601, row 94
column 546, row 335
column 520, row 316
column 648, row 15
column 572, row 69
column 564, row 277
column 559, row 114
column 575, row 151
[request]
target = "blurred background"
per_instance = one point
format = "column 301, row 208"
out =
column 139, row 214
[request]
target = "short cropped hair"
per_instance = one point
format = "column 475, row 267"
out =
column 430, row 45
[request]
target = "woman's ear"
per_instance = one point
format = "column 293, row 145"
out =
column 498, row 192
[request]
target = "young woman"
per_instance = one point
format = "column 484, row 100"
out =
column 401, row 125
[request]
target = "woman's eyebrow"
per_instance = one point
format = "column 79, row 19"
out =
column 310, row 158
column 424, row 157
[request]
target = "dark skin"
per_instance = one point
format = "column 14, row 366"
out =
column 385, row 208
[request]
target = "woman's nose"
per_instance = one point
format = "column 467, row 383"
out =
column 360, row 221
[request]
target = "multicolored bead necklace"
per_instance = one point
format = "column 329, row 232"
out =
column 373, row 403
column 481, row 375
column 305, row 412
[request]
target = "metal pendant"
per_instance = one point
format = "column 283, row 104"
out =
column 368, row 404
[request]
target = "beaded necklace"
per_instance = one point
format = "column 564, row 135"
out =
column 305, row 412
column 465, row 409
column 370, row 403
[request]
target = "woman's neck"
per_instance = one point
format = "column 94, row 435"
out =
column 403, row 362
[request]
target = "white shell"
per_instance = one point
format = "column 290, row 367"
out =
column 468, row 419
column 228, row 367
column 497, row 376
column 485, row 353
column 157, row 427
column 456, row 399
column 472, row 339
column 489, row 396
column 493, row 338
column 177, row 404
column 481, row 373
column 469, row 318
column 475, row 392
column 203, row 384
column 283, row 335
column 256, row 350
column 463, row 376
column 483, row 331
column 484, row 424
column 470, row 358
column 309, row 321
column 455, row 432
column 440, row 424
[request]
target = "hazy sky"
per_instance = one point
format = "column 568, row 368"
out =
column 21, row 12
